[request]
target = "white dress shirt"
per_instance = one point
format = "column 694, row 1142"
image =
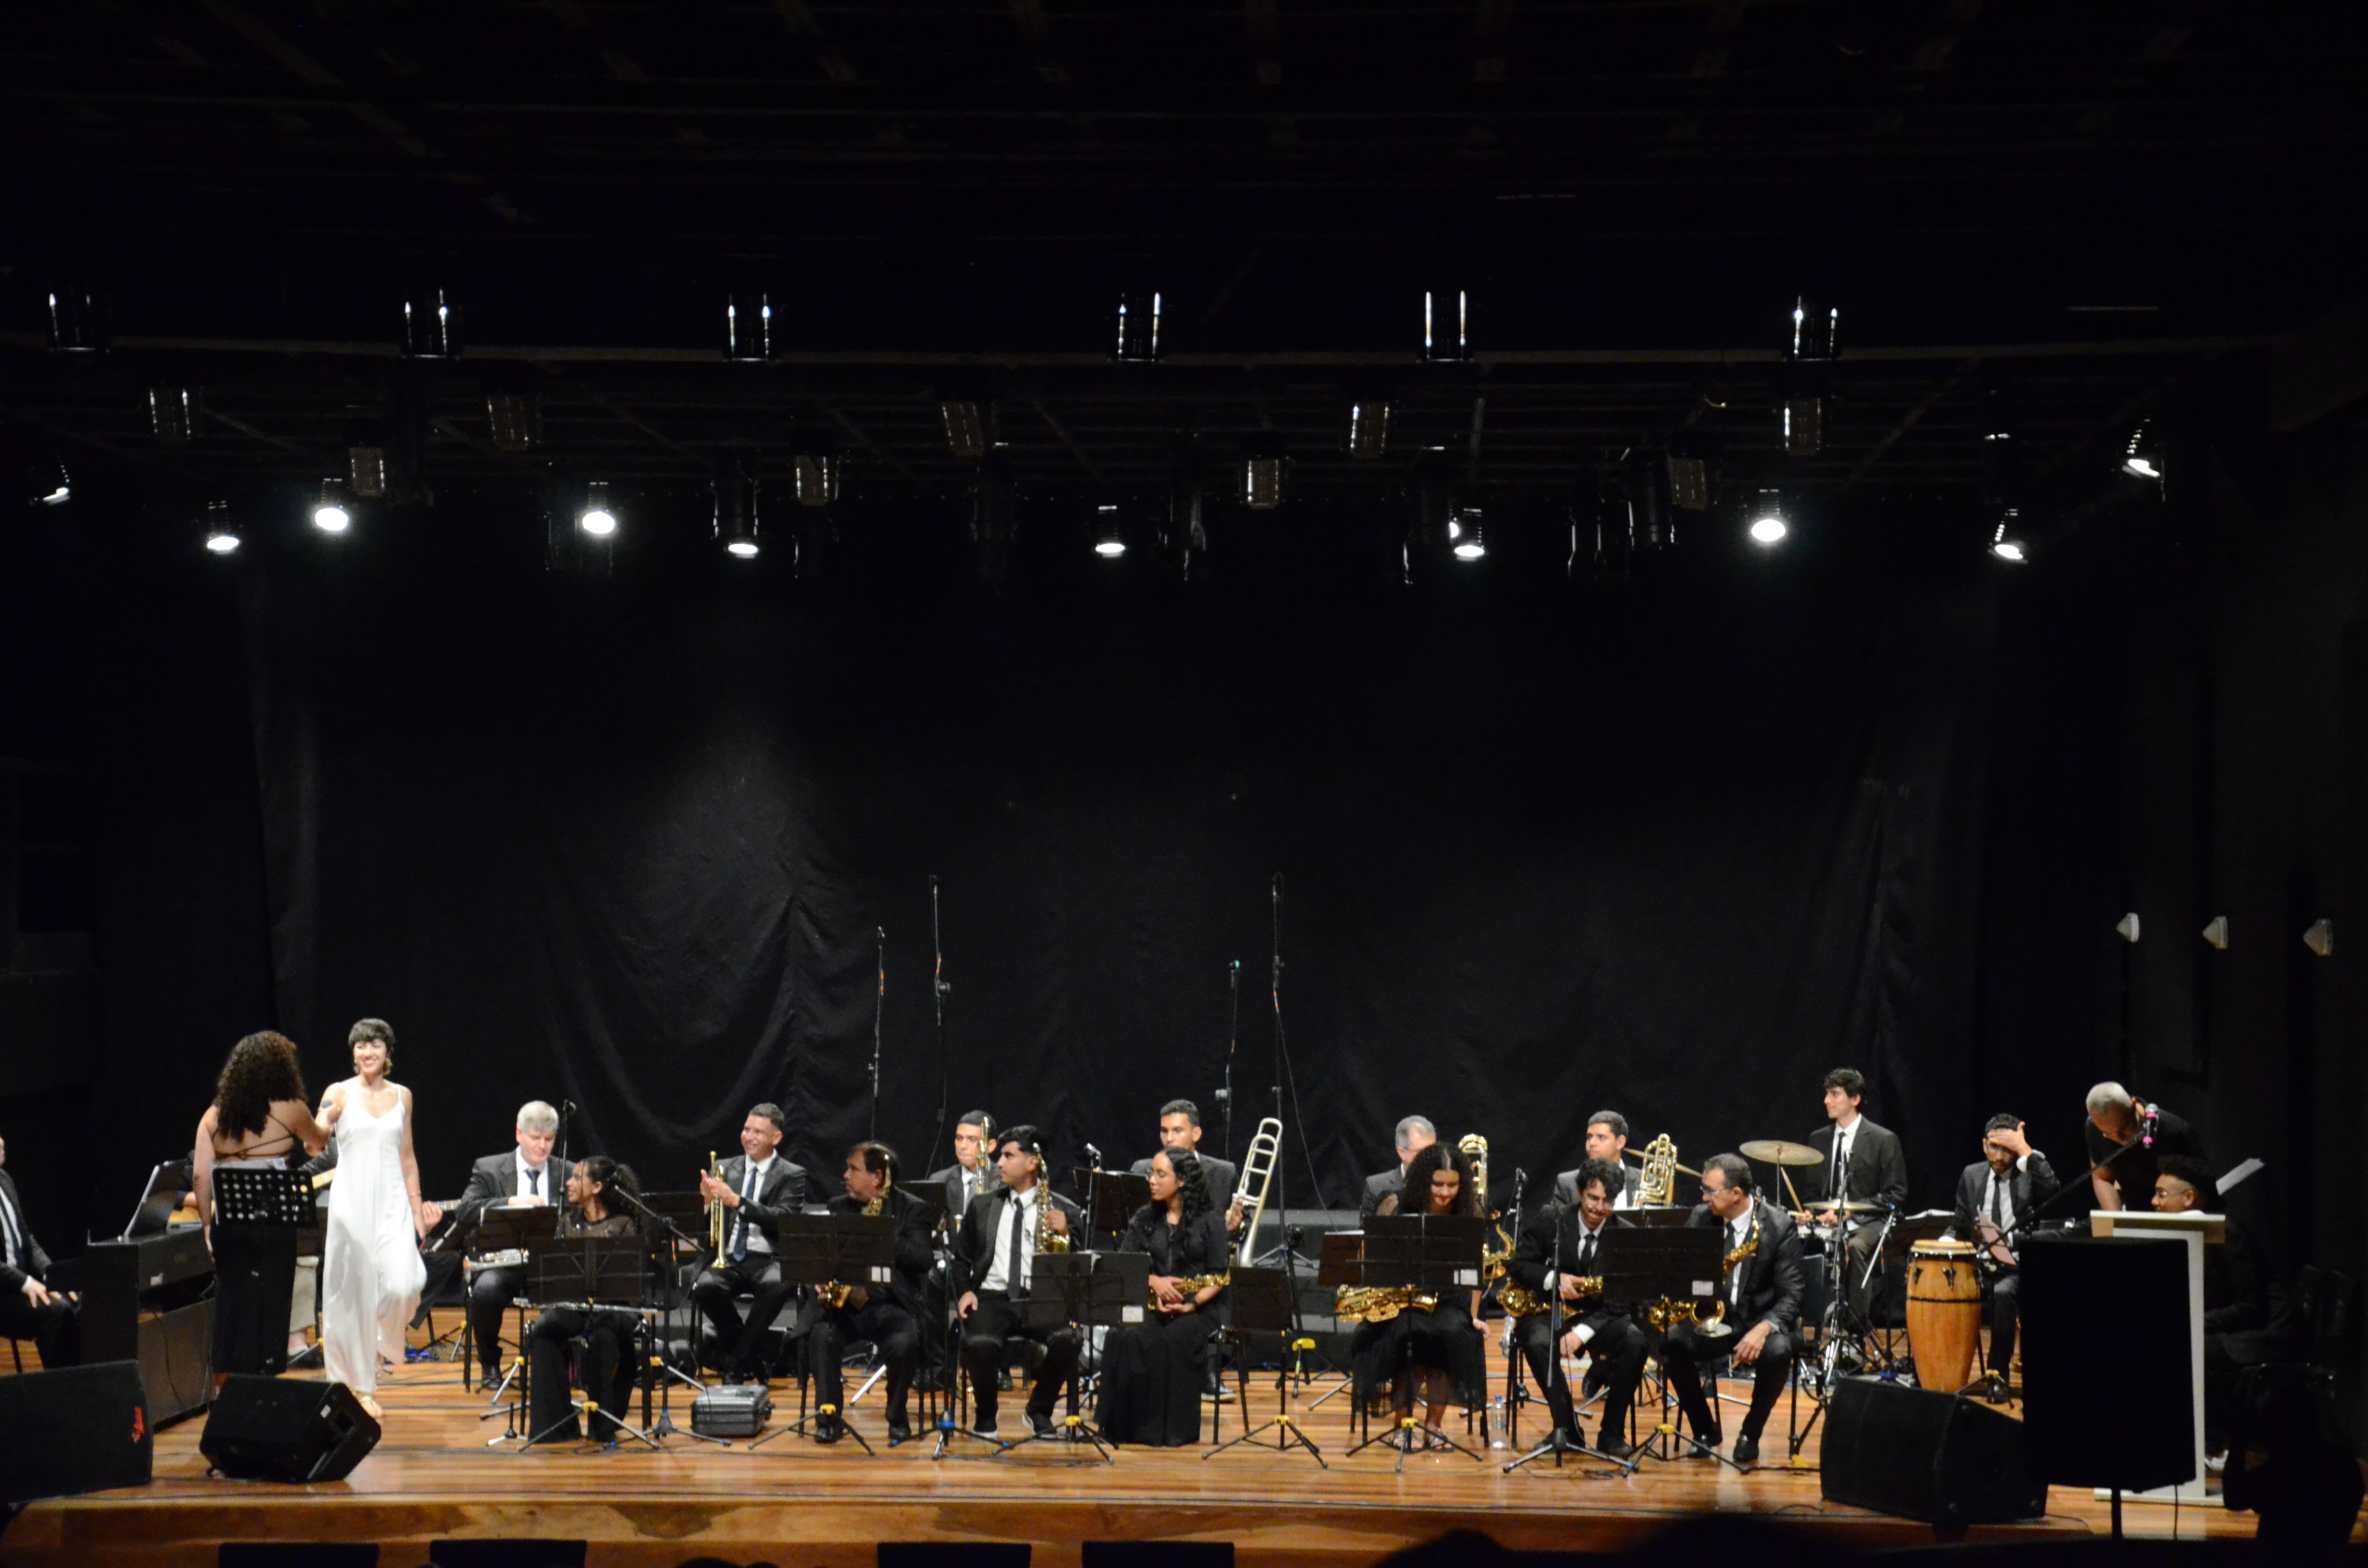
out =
column 1020, row 1210
column 752, row 1182
column 542, row 1174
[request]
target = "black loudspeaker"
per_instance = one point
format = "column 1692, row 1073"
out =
column 286, row 1429
column 954, row 1553
column 2107, row 1396
column 1926, row 1455
column 76, row 1429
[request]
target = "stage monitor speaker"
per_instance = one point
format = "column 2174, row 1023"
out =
column 2107, row 1397
column 75, row 1429
column 1926, row 1455
column 1159, row 1554
column 954, row 1554
column 286, row 1429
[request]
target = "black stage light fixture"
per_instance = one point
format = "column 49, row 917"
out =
column 431, row 329
column 598, row 516
column 1446, row 324
column 1109, row 532
column 815, row 469
column 2143, row 457
column 50, row 485
column 1368, row 427
column 2008, row 541
column 1689, row 482
column 1808, row 376
column 1602, row 533
column 222, row 533
column 1263, row 471
column 1181, row 537
column 1648, row 485
column 968, row 411
column 748, row 325
column 1466, row 541
column 172, row 415
column 513, row 410
column 77, row 325
column 366, row 472
column 1138, row 325
column 331, row 512
column 736, row 503
column 1430, row 500
column 1767, row 527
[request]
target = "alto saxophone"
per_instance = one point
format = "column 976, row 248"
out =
column 1710, row 1321
column 850, row 1298
column 1194, row 1284
column 1519, row 1302
column 1378, row 1304
column 1047, row 1241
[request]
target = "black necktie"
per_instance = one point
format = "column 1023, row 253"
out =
column 740, row 1218
column 1998, row 1214
column 1841, row 1165
column 1012, row 1283
column 534, row 1184
column 1587, row 1255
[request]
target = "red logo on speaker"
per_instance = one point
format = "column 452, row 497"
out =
column 139, row 1424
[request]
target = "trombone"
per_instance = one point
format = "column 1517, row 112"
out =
column 1257, row 1176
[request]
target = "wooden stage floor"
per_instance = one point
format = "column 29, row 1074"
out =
column 433, row 1476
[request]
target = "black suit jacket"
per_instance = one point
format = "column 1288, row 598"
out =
column 495, row 1177
column 12, row 1278
column 1878, row 1166
column 980, row 1222
column 2031, row 1186
column 1381, row 1184
column 1223, row 1175
column 1773, row 1275
column 783, row 1191
column 1549, row 1243
column 916, row 1231
column 950, row 1179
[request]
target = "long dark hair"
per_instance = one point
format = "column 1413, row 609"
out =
column 262, row 1069
column 1415, row 1198
column 608, row 1178
column 1193, row 1180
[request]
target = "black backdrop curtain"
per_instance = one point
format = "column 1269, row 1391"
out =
column 627, row 843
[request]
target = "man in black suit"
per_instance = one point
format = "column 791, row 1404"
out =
column 994, row 1259
column 1762, row 1292
column 2004, row 1186
column 1415, row 1134
column 889, row 1316
column 1607, row 1139
column 756, row 1188
column 2127, row 1138
column 29, row 1309
column 1556, row 1250
column 1863, row 1164
column 2239, row 1301
column 1179, row 1130
column 527, row 1176
column 973, row 1170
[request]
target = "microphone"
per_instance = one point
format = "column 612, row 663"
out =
column 2146, row 1130
column 567, row 1108
column 1095, row 1155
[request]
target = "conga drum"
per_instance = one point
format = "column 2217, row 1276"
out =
column 1944, row 1314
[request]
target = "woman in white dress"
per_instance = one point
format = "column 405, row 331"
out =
column 371, row 1270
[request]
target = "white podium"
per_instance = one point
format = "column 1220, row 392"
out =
column 2193, row 1231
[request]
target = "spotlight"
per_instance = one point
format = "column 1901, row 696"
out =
column 220, row 538
column 595, row 518
column 814, row 471
column 172, row 412
column 1465, row 531
column 2007, row 543
column 1808, row 375
column 1369, row 428
column 429, row 331
column 1138, row 325
column 1767, row 527
column 2144, row 458
column 1262, row 473
column 365, row 470
column 748, row 326
column 74, row 326
column 51, row 485
column 330, row 513
column 1109, row 539
column 736, row 503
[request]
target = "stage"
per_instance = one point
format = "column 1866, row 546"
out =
column 434, row 1476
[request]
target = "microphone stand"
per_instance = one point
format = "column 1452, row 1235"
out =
column 1233, row 1044
column 937, row 989
column 655, row 1367
column 878, row 1006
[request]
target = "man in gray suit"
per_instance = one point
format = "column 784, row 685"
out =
column 1179, row 1129
column 524, row 1175
column 1607, row 1139
column 1415, row 1134
column 973, row 1170
column 757, row 1188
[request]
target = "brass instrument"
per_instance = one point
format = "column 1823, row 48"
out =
column 1194, row 1284
column 1658, row 1183
column 1257, row 1166
column 1520, row 1301
column 1474, row 1148
column 1047, row 1241
column 714, row 1210
column 1709, row 1320
column 1378, row 1304
column 851, row 1298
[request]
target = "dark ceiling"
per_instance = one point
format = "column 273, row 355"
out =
column 2046, row 214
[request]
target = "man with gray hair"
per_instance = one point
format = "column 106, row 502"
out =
column 1415, row 1134
column 526, row 1175
column 2126, row 1136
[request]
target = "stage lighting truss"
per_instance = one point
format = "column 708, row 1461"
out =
column 1109, row 532
column 748, row 326
column 1138, row 325
column 1369, row 428
column 429, row 331
column 2143, row 457
column 172, row 415
column 735, row 505
column 331, row 513
column 1263, row 471
column 221, row 535
column 1446, row 324
column 598, row 516
column 1808, row 375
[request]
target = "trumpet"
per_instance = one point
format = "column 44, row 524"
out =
column 1258, row 1166
column 714, row 1210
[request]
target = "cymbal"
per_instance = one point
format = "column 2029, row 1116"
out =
column 1777, row 1152
column 1856, row 1205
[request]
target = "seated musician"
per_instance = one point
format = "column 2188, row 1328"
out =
column 1607, row 1139
column 2005, row 1185
column 889, row 1316
column 1763, row 1306
column 2239, row 1303
column 524, row 1175
column 756, row 1188
column 1864, row 1164
column 28, row 1308
column 971, row 1173
column 995, row 1261
column 607, row 1368
column 1150, row 1374
column 1556, row 1250
column 1179, row 1130
column 261, row 1120
column 1415, row 1134
column 1443, row 1342
column 2126, row 1137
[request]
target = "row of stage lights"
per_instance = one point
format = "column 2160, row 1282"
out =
column 430, row 332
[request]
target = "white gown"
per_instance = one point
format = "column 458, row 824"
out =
column 371, row 1271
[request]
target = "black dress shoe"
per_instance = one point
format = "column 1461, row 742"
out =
column 1704, row 1446
column 1003, row 1380
column 1747, row 1449
column 898, row 1431
column 1612, row 1445
column 1568, row 1437
column 1042, row 1425
column 829, row 1429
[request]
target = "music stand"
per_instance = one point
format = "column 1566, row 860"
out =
column 1113, row 1196
column 584, row 1272
column 1618, row 1284
column 662, row 1213
column 1438, row 1253
column 1109, row 1290
column 1259, row 1300
column 833, row 1248
column 518, row 1228
column 1664, row 1269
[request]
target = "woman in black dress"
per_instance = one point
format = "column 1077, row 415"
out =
column 1151, row 1374
column 259, row 1121
column 1446, row 1347
column 606, row 1366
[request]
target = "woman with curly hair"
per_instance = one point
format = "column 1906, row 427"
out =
column 1151, row 1374
column 1445, row 1346
column 259, row 1121
column 605, row 1367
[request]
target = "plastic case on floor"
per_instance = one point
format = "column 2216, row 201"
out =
column 735, row 1409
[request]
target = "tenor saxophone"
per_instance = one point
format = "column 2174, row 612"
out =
column 850, row 1298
